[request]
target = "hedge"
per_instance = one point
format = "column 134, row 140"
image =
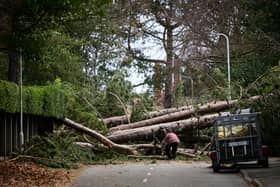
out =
column 48, row 101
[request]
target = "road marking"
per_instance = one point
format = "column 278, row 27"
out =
column 145, row 180
column 149, row 174
column 151, row 168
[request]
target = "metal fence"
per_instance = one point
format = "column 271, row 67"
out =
column 10, row 130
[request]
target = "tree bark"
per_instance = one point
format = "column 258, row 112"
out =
column 8, row 15
column 146, row 133
column 204, row 109
column 115, row 121
column 105, row 141
column 168, row 91
column 194, row 139
column 120, row 120
column 13, row 72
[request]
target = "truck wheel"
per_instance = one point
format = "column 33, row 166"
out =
column 216, row 166
column 264, row 163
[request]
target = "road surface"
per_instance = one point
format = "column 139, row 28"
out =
column 160, row 174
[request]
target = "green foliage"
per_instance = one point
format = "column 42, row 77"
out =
column 180, row 94
column 38, row 100
column 56, row 150
column 141, row 105
column 81, row 104
column 55, row 54
column 249, row 69
column 268, row 86
column 266, row 83
column 138, row 111
column 269, row 120
column 59, row 151
column 117, row 94
column 264, row 15
column 9, row 97
column 33, row 100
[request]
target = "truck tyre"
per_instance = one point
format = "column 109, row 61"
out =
column 216, row 166
column 264, row 163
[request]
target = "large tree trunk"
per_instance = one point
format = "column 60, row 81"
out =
column 157, row 82
column 194, row 139
column 119, row 120
column 5, row 26
column 108, row 143
column 116, row 120
column 146, row 133
column 13, row 72
column 168, row 91
column 9, row 11
column 204, row 109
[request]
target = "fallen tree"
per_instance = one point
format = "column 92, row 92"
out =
column 204, row 109
column 194, row 139
column 146, row 133
column 119, row 120
column 116, row 120
column 123, row 149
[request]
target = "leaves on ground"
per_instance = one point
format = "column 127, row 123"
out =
column 28, row 174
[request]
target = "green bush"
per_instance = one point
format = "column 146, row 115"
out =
column 9, row 93
column 47, row 100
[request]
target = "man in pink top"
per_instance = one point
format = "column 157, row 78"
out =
column 172, row 141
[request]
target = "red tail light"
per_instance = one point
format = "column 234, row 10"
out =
column 265, row 150
column 213, row 155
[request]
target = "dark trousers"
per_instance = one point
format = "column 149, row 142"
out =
column 171, row 149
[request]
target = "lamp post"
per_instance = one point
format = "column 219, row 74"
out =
column 188, row 77
column 228, row 64
column 21, row 135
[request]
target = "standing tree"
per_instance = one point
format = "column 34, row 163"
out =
column 25, row 23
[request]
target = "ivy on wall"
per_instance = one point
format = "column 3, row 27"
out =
column 49, row 101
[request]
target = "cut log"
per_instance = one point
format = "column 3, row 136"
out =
column 167, row 111
column 146, row 133
column 204, row 109
column 194, row 139
column 115, row 121
column 105, row 141
column 86, row 146
column 119, row 120
column 186, row 154
column 144, row 146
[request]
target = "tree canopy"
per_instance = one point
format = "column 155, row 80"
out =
column 94, row 45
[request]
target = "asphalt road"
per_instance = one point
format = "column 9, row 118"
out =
column 160, row 174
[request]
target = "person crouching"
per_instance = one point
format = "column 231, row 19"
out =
column 172, row 141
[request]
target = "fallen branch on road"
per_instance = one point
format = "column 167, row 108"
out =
column 104, row 140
